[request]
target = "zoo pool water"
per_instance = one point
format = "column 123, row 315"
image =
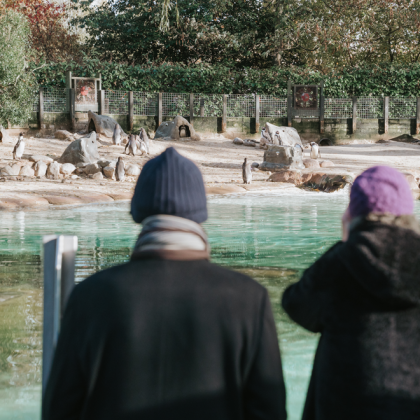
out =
column 272, row 237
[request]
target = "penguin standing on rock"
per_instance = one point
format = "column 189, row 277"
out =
column 315, row 153
column 120, row 170
column 19, row 148
column 132, row 145
column 246, row 172
column 116, row 137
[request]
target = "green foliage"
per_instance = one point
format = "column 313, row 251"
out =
column 377, row 80
column 17, row 84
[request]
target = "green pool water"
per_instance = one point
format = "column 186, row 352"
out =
column 270, row 237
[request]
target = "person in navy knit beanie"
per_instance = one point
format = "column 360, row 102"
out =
column 167, row 335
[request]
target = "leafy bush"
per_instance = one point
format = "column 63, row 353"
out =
column 17, row 85
column 384, row 80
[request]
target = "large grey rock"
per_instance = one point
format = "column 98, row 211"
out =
column 4, row 135
column 38, row 158
column 67, row 168
column 278, row 158
column 91, row 169
column 53, row 171
column 102, row 124
column 288, row 136
column 83, row 150
column 132, row 170
column 177, row 129
column 103, row 163
column 27, row 170
column 40, row 168
column 109, row 172
column 11, row 170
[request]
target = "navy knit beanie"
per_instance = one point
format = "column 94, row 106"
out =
column 170, row 184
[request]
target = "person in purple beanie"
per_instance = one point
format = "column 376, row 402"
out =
column 363, row 296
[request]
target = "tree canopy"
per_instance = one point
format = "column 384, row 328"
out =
column 17, row 83
column 320, row 34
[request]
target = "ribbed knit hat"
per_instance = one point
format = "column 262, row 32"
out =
column 170, row 184
column 380, row 189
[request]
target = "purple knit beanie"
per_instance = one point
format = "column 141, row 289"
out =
column 380, row 189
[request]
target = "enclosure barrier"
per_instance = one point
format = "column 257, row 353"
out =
column 160, row 105
column 59, row 258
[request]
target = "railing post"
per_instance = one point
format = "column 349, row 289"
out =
column 224, row 115
column 130, row 111
column 201, row 107
column 289, row 103
column 191, row 108
column 354, row 115
column 159, row 109
column 321, row 108
column 41, row 108
column 418, row 116
column 386, row 114
column 101, row 102
column 59, row 257
column 73, row 108
column 257, row 113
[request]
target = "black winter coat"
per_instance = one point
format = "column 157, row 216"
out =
column 174, row 340
column 363, row 295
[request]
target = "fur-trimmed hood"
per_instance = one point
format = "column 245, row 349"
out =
column 382, row 253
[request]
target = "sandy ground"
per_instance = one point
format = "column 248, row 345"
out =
column 218, row 158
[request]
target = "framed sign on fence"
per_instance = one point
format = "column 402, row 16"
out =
column 305, row 97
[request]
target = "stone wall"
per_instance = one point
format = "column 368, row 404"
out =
column 337, row 130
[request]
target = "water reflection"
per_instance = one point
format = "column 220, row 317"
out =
column 271, row 238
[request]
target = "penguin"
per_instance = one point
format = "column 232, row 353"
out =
column 116, row 138
column 19, row 148
column 143, row 147
column 120, row 170
column 277, row 139
column 246, row 172
column 315, row 153
column 145, row 138
column 265, row 135
column 132, row 145
column 298, row 146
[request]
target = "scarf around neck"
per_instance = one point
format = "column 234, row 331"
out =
column 171, row 238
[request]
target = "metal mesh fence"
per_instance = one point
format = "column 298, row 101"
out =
column 174, row 104
column 35, row 105
column 338, row 108
column 241, row 105
column 212, row 104
column 272, row 106
column 116, row 102
column 145, row 103
column 55, row 100
column 402, row 107
column 370, row 107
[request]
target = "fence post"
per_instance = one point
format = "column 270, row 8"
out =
column 159, row 109
column 72, row 108
column 386, row 114
column 418, row 116
column 289, row 103
column 201, row 107
column 101, row 102
column 354, row 116
column 41, row 108
column 321, row 108
column 130, row 111
column 59, row 257
column 191, row 108
column 257, row 113
column 224, row 115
